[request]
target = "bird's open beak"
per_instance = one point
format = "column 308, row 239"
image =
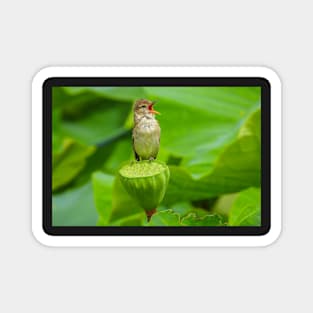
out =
column 151, row 110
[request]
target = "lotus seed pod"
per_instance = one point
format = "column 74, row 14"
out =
column 146, row 183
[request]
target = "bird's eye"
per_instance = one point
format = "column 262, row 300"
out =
column 142, row 106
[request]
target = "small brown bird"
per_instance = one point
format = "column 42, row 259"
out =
column 146, row 132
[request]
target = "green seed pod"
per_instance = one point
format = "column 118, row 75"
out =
column 146, row 182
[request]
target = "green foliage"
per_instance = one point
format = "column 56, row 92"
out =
column 237, row 167
column 103, row 188
column 74, row 207
column 172, row 218
column 210, row 140
column 246, row 209
column 68, row 162
column 114, row 205
column 205, row 220
column 164, row 218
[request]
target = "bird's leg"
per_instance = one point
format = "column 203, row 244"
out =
column 136, row 156
column 151, row 159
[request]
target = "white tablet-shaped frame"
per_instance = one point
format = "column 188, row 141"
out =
column 156, row 241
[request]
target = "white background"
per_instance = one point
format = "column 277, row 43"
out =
column 35, row 34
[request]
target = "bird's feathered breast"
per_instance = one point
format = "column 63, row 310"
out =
column 146, row 137
column 147, row 125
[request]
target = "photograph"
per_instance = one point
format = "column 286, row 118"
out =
column 156, row 156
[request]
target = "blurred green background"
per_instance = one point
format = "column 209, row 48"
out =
column 210, row 140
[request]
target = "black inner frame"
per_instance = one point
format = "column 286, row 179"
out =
column 166, row 230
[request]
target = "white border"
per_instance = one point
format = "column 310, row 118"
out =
column 156, row 241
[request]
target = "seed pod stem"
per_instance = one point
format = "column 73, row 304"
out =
column 150, row 213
